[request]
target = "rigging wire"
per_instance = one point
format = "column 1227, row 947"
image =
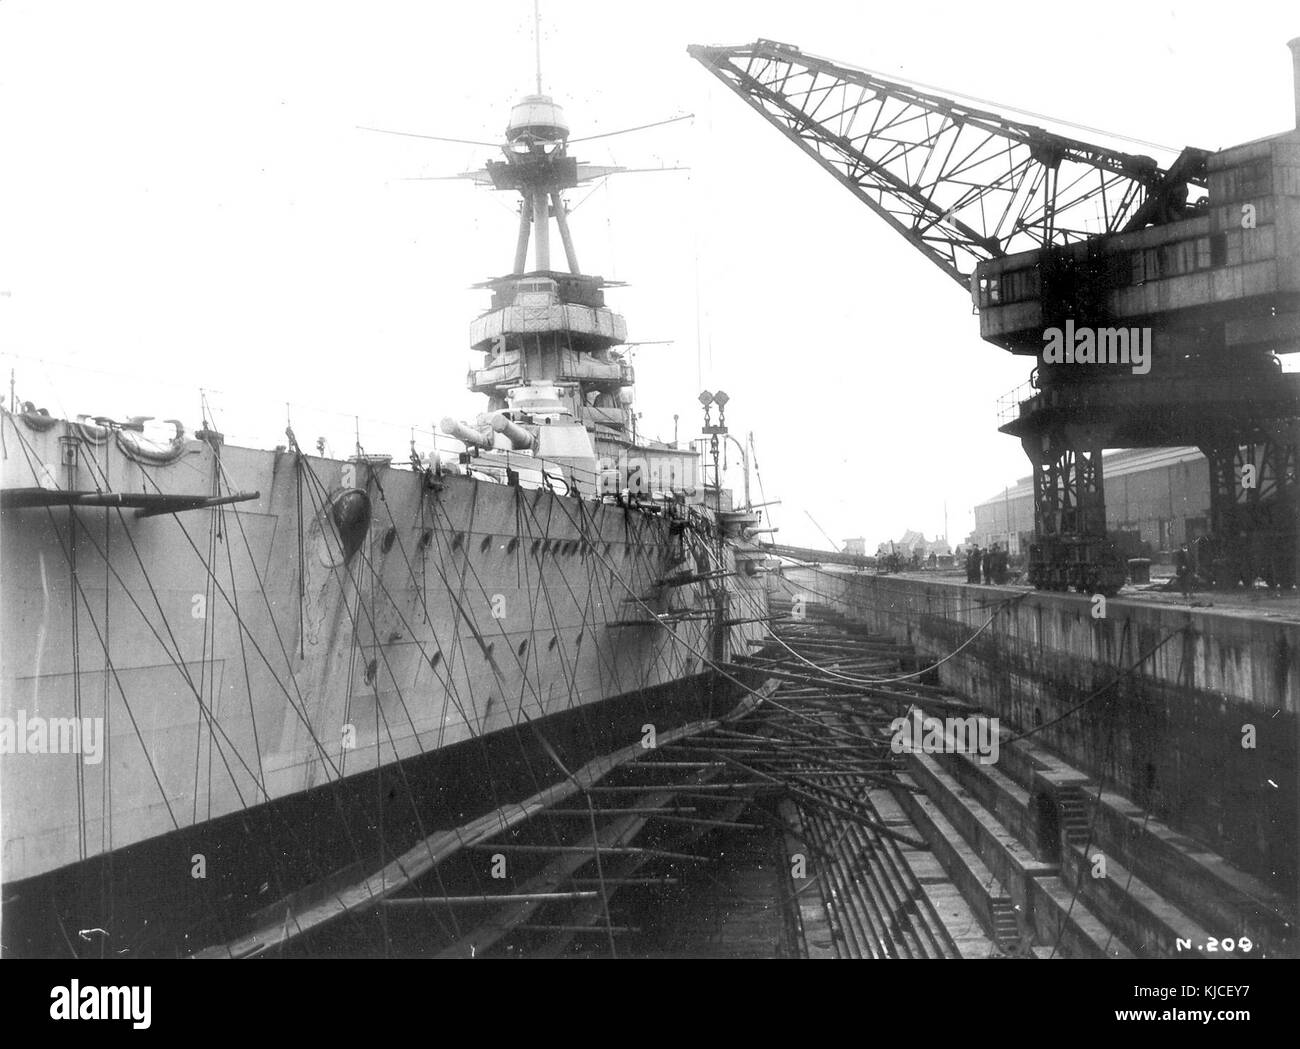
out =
column 905, row 677
column 469, row 621
column 177, row 661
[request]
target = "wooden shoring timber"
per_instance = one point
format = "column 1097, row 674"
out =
column 810, row 796
column 873, row 777
column 588, row 850
column 788, row 635
column 561, row 868
column 831, row 713
column 847, row 766
column 797, row 737
column 788, row 694
column 810, row 630
column 591, row 910
column 841, row 644
column 776, row 719
column 812, row 923
column 819, row 681
column 905, row 912
column 846, row 704
column 846, row 662
column 590, row 930
column 494, row 899
column 709, row 823
column 585, row 915
column 796, row 661
column 888, row 691
column 845, row 644
column 849, row 648
column 777, row 822
column 719, row 799
column 760, row 764
column 587, row 813
column 303, row 916
column 795, row 666
column 746, row 789
column 725, row 734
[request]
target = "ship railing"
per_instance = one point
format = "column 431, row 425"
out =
column 256, row 420
column 506, row 466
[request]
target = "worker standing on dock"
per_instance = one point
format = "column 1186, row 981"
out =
column 973, row 556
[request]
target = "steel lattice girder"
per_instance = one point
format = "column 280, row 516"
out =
column 1273, row 458
column 1256, row 527
column 962, row 184
column 1069, row 495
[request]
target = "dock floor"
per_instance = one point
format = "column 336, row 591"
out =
column 797, row 827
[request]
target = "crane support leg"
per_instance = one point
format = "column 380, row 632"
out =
column 1254, row 508
column 1070, row 547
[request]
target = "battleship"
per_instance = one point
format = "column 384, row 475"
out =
column 234, row 677
column 544, row 688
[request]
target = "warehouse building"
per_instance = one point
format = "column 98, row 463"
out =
column 1154, row 496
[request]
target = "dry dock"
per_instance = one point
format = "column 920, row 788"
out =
column 798, row 827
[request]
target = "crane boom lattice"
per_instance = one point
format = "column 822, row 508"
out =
column 962, row 184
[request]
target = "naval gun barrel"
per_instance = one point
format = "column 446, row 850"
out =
column 520, row 439
column 473, row 438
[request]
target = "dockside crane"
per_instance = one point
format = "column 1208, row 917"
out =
column 1187, row 278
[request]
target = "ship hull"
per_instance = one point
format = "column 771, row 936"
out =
column 347, row 658
column 147, row 903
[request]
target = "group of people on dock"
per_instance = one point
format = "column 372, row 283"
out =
column 993, row 563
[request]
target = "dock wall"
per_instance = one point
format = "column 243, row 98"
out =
column 1157, row 701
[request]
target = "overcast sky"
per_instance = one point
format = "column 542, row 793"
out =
column 185, row 203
